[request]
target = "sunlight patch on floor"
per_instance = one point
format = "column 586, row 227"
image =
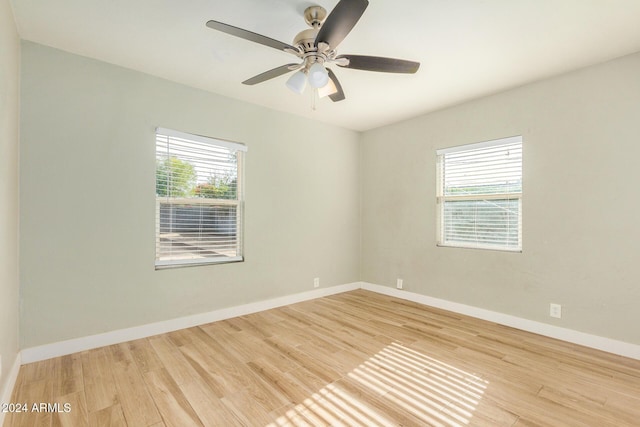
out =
column 396, row 378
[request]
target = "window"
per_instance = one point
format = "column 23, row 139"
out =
column 199, row 199
column 479, row 195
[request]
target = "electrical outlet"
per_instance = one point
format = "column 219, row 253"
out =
column 316, row 282
column 399, row 283
column 555, row 310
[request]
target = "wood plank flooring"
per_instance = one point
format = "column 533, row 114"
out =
column 357, row 358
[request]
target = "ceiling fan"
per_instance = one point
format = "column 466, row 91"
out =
column 316, row 47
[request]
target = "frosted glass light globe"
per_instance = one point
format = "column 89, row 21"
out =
column 318, row 75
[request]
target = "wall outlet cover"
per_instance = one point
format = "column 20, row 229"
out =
column 555, row 310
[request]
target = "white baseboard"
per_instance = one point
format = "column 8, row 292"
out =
column 62, row 348
column 600, row 343
column 48, row 351
column 10, row 384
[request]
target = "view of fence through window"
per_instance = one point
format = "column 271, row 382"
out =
column 198, row 199
column 480, row 195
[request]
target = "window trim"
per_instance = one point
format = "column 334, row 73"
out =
column 239, row 202
column 441, row 198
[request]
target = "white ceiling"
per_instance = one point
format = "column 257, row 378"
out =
column 467, row 48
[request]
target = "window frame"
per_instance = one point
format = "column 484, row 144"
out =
column 441, row 198
column 238, row 202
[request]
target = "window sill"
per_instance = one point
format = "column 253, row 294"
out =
column 164, row 265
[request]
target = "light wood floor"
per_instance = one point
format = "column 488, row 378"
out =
column 357, row 358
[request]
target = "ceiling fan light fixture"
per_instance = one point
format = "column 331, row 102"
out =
column 315, row 47
column 297, row 82
column 318, row 75
column 328, row 89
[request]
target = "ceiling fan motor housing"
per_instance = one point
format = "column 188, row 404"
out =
column 305, row 39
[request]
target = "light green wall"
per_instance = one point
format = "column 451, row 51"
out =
column 9, row 201
column 580, row 207
column 88, row 201
column 330, row 203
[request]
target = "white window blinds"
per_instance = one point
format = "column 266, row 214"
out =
column 480, row 195
column 199, row 199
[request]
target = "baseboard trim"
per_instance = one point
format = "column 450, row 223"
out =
column 62, row 348
column 609, row 345
column 9, row 386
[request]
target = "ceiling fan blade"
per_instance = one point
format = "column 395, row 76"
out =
column 267, row 75
column 251, row 36
column 340, row 22
column 376, row 63
column 338, row 95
